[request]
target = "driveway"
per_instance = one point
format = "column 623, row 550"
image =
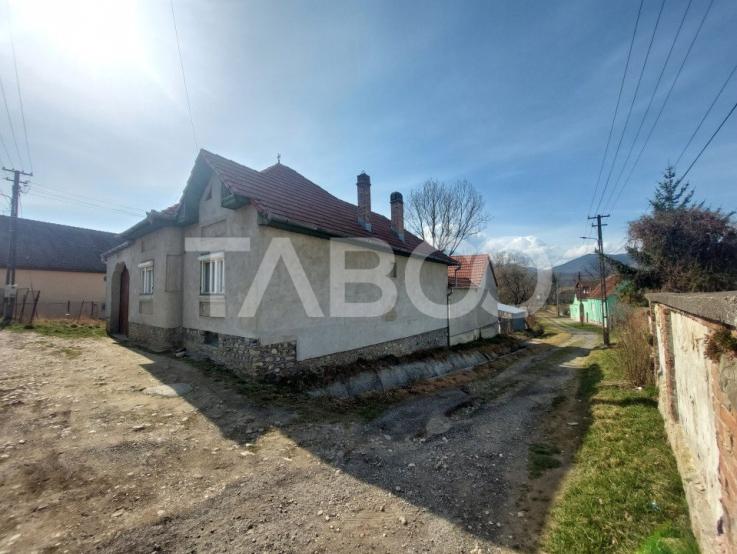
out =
column 90, row 458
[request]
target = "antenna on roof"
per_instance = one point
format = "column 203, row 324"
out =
column 278, row 158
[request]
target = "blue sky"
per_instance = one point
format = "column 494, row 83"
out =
column 516, row 97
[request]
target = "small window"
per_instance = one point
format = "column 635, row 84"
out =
column 212, row 274
column 210, row 338
column 147, row 277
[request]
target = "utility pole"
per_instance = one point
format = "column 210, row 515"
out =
column 557, row 297
column 9, row 294
column 602, row 273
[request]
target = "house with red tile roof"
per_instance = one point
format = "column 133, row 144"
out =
column 262, row 271
column 472, row 282
column 587, row 306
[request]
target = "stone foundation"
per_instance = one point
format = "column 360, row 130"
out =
column 399, row 347
column 246, row 357
column 249, row 358
column 154, row 338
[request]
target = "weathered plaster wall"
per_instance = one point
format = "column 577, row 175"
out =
column 59, row 287
column 163, row 308
column 698, row 400
column 479, row 322
column 281, row 317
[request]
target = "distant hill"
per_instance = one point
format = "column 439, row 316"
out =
column 587, row 265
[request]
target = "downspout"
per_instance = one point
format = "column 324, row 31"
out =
column 447, row 302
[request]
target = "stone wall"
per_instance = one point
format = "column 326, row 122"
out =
column 249, row 358
column 246, row 357
column 158, row 339
column 698, row 400
column 399, row 347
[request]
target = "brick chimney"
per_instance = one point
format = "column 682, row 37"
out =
column 363, row 184
column 397, row 208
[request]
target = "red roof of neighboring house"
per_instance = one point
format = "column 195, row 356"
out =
column 612, row 282
column 284, row 197
column 470, row 272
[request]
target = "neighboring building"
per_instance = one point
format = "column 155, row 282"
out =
column 586, row 305
column 163, row 295
column 61, row 262
column 512, row 318
column 473, row 277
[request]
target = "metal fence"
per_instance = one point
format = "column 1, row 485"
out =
column 29, row 305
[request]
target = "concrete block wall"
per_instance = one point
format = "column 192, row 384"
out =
column 698, row 400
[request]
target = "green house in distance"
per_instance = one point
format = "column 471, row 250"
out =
column 586, row 305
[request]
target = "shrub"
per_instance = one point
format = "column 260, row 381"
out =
column 719, row 343
column 633, row 351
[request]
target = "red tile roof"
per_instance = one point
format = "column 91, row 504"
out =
column 283, row 196
column 280, row 193
column 594, row 291
column 470, row 274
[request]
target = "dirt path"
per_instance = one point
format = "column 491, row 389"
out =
column 89, row 461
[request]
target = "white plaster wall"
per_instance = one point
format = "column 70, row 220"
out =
column 479, row 322
column 281, row 315
column 695, row 407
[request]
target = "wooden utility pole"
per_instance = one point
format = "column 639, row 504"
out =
column 557, row 294
column 9, row 293
column 602, row 274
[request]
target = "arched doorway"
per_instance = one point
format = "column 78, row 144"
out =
column 123, row 303
column 119, row 300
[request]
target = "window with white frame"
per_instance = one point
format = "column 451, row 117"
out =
column 147, row 277
column 212, row 273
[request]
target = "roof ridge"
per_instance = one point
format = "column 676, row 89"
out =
column 87, row 229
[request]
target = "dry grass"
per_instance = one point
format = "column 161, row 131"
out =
column 633, row 351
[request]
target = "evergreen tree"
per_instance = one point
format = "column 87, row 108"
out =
column 670, row 195
column 682, row 246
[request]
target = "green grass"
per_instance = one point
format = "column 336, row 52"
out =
column 569, row 323
column 541, row 458
column 62, row 328
column 623, row 493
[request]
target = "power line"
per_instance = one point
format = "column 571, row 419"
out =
column 650, row 103
column 86, row 203
column 184, row 77
column 17, row 84
column 708, row 142
column 10, row 122
column 665, row 103
column 708, row 111
column 632, row 104
column 614, row 117
column 86, row 197
column 616, row 109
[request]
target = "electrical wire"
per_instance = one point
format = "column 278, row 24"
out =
column 10, row 123
column 52, row 190
column 86, row 203
column 17, row 84
column 649, row 104
column 665, row 103
column 708, row 111
column 616, row 108
column 614, row 119
column 184, row 77
column 708, row 142
column 632, row 104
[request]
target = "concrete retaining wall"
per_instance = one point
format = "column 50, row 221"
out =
column 698, row 400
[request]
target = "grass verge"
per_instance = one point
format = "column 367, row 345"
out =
column 623, row 493
column 62, row 328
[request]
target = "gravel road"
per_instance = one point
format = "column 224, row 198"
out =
column 92, row 460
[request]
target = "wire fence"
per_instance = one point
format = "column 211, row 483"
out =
column 29, row 305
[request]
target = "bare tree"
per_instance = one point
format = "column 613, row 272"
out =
column 516, row 280
column 445, row 215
